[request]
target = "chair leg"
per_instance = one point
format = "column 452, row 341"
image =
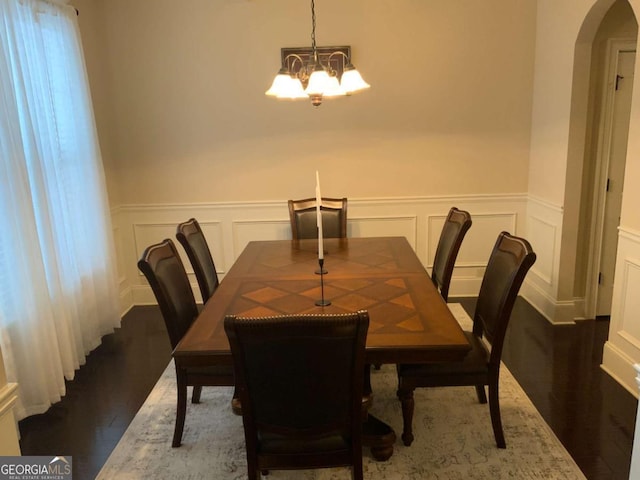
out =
column 494, row 409
column 181, row 410
column 236, row 405
column 195, row 395
column 408, row 404
column 367, row 392
column 356, row 470
column 254, row 472
column 482, row 396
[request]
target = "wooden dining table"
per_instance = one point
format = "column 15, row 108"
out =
column 409, row 321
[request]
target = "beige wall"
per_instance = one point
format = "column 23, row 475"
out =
column 93, row 34
column 179, row 93
column 468, row 98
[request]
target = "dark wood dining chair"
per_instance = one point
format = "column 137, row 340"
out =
column 190, row 236
column 161, row 265
column 510, row 260
column 453, row 231
column 301, row 407
column 304, row 223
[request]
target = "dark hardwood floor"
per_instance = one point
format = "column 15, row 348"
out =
column 104, row 396
column 558, row 367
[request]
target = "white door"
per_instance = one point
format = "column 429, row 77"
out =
column 615, row 172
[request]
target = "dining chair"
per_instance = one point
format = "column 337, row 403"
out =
column 301, row 407
column 510, row 260
column 190, row 236
column 304, row 223
column 161, row 265
column 453, row 231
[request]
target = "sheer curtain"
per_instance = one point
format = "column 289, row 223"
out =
column 58, row 292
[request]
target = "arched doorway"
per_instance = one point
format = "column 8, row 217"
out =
column 610, row 68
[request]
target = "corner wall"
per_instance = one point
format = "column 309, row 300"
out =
column 564, row 28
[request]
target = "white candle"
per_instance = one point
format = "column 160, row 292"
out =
column 319, row 218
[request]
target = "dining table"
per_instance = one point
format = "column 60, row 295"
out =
column 409, row 320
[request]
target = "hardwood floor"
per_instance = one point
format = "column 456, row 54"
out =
column 558, row 367
column 104, row 397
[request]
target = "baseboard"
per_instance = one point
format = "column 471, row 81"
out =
column 620, row 366
column 556, row 312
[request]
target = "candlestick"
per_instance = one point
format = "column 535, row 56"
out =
column 322, row 302
column 321, row 270
column 319, row 218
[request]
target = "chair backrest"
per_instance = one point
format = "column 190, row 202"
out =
column 510, row 260
column 165, row 272
column 290, row 386
column 304, row 221
column 455, row 228
column 190, row 236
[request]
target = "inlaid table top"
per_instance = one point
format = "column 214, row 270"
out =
column 409, row 321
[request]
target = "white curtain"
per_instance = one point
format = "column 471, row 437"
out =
column 58, row 293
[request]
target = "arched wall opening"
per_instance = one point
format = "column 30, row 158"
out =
column 606, row 20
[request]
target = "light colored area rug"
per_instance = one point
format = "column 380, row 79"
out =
column 453, row 437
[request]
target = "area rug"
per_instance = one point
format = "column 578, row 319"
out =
column 453, row 437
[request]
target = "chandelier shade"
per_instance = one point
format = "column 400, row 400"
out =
column 315, row 72
column 285, row 86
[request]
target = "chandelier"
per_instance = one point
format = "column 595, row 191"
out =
column 316, row 73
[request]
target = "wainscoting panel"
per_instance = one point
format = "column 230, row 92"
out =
column 478, row 242
column 124, row 285
column 400, row 226
column 544, row 230
column 542, row 233
column 245, row 231
column 622, row 349
column 228, row 228
column 148, row 234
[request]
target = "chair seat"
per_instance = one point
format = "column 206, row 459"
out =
column 431, row 374
column 281, row 444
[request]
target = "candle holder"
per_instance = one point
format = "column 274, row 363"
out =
column 321, row 270
column 322, row 302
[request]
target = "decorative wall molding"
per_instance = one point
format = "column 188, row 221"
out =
column 546, row 204
column 229, row 226
column 629, row 234
column 622, row 349
column 544, row 231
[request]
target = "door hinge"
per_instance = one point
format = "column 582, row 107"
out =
column 618, row 78
column 608, row 184
column 600, row 278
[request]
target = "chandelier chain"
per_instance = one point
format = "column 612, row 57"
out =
column 313, row 30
